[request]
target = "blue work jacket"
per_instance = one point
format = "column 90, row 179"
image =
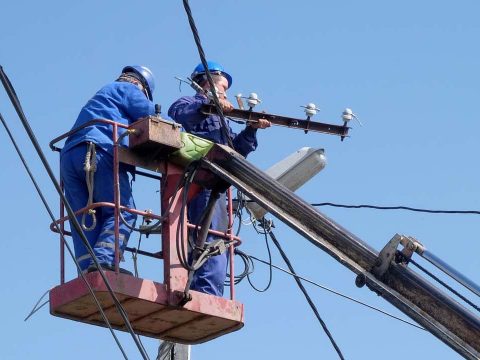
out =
column 122, row 102
column 186, row 111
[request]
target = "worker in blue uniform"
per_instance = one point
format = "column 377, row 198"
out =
column 124, row 101
column 210, row 277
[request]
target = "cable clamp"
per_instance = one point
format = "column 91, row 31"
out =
column 216, row 247
column 266, row 224
column 386, row 256
column 410, row 246
column 391, row 253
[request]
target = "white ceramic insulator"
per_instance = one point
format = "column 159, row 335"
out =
column 311, row 109
column 347, row 114
column 253, row 100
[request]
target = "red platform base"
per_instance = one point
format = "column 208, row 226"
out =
column 149, row 309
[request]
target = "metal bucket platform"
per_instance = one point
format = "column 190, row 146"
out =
column 150, row 308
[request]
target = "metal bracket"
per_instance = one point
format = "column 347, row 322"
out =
column 389, row 254
column 410, row 246
column 217, row 247
column 148, row 230
column 386, row 256
column 382, row 263
column 253, row 116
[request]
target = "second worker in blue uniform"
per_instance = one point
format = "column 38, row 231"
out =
column 210, row 277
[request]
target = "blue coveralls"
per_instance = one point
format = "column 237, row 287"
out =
column 186, row 111
column 124, row 103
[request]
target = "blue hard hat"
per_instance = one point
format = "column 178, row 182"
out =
column 213, row 67
column 145, row 75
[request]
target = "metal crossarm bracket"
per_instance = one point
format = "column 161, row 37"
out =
column 279, row 120
column 390, row 253
column 410, row 246
column 386, row 256
column 217, row 247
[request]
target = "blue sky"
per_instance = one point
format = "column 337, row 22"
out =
column 409, row 70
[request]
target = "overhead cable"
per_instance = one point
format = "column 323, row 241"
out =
column 305, row 293
column 270, row 275
column 249, row 266
column 334, row 291
column 196, row 36
column 400, row 207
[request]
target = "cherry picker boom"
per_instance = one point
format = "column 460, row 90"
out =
column 409, row 292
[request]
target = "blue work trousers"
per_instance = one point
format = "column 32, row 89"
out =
column 102, row 237
column 210, row 277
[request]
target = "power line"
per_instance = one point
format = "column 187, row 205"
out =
column 196, row 36
column 335, row 292
column 248, row 263
column 305, row 293
column 396, row 207
column 399, row 207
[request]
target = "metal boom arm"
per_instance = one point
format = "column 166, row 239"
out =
column 438, row 313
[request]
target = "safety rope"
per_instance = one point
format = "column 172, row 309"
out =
column 90, row 166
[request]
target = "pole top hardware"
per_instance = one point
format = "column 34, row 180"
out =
column 410, row 246
column 383, row 261
column 310, row 109
column 252, row 100
column 389, row 253
column 348, row 115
